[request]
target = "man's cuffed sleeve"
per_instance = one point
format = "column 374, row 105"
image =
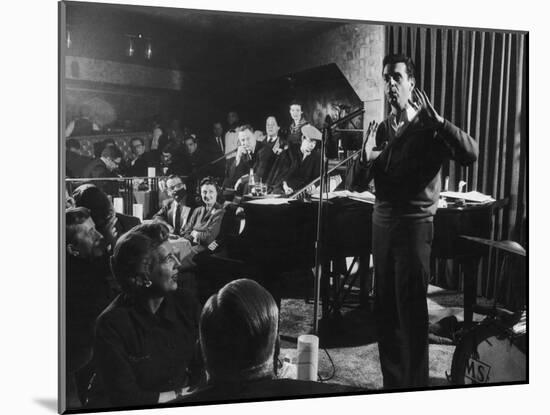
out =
column 461, row 146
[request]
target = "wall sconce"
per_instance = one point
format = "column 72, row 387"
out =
column 148, row 50
column 139, row 44
column 69, row 41
column 131, row 47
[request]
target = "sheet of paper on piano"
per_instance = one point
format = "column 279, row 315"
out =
column 472, row 196
column 269, row 201
column 366, row 196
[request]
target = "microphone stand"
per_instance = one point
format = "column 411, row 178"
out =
column 319, row 248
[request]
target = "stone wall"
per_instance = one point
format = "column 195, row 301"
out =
column 357, row 49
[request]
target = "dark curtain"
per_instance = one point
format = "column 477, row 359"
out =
column 478, row 80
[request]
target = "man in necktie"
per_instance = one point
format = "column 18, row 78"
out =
column 214, row 149
column 251, row 155
column 177, row 217
column 273, row 140
column 175, row 211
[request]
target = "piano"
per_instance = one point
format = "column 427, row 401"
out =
column 281, row 238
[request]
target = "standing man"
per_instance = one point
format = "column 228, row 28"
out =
column 231, row 137
column 411, row 145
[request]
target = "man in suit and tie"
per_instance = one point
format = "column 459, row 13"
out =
column 219, row 141
column 140, row 160
column 175, row 211
column 273, row 140
column 251, row 156
column 215, row 149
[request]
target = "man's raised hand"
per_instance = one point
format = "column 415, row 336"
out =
column 421, row 103
column 370, row 142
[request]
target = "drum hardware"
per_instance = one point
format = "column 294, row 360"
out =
column 495, row 349
column 490, row 352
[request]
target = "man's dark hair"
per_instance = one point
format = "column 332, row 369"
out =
column 111, row 152
column 73, row 218
column 137, row 139
column 171, row 148
column 191, row 137
column 238, row 331
column 72, row 143
column 296, row 102
column 398, row 58
column 96, row 201
column 98, row 148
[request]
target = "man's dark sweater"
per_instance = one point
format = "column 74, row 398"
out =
column 407, row 174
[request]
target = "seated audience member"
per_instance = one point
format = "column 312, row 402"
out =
column 204, row 225
column 214, row 147
column 110, row 224
column 173, row 134
column 304, row 162
column 195, row 157
column 231, row 139
column 298, row 121
column 239, row 342
column 101, row 210
column 105, row 166
column 216, row 143
column 171, row 161
column 140, row 159
column 273, row 139
column 250, row 155
column 69, row 200
column 260, row 135
column 74, row 161
column 157, row 133
column 145, row 343
column 83, row 125
column 89, row 289
column 176, row 210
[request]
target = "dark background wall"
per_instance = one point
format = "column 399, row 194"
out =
column 204, row 64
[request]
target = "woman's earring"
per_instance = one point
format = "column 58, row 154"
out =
column 147, row 283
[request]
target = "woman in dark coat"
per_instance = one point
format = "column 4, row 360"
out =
column 146, row 339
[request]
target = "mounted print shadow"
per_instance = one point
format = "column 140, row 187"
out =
column 258, row 207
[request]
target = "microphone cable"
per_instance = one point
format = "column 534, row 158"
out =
column 322, row 379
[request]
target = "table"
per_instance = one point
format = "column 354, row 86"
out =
column 181, row 247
